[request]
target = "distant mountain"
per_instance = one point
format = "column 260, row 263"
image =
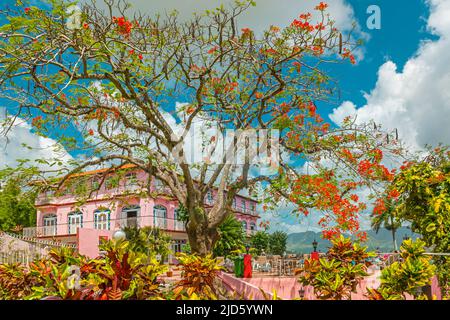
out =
column 301, row 242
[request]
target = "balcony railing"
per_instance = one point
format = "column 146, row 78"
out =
column 43, row 199
column 114, row 224
column 43, row 231
column 245, row 210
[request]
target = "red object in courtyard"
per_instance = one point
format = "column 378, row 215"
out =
column 314, row 255
column 247, row 265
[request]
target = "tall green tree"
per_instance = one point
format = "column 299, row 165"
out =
column 387, row 220
column 149, row 240
column 16, row 207
column 231, row 238
column 260, row 242
column 277, row 242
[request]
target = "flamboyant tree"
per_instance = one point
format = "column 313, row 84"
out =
column 101, row 82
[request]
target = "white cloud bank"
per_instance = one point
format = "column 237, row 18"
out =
column 12, row 149
column 415, row 100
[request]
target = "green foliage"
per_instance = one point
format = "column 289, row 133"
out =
column 406, row 276
column 16, row 207
column 277, row 242
column 337, row 275
column 149, row 240
column 231, row 235
column 260, row 242
column 198, row 274
column 121, row 274
column 424, row 201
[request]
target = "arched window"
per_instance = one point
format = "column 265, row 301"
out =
column 101, row 219
column 252, row 226
column 244, row 225
column 75, row 220
column 50, row 222
column 159, row 216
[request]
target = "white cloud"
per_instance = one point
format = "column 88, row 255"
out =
column 12, row 149
column 416, row 100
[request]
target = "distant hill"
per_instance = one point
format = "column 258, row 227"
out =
column 301, row 242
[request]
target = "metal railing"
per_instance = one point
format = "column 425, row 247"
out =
column 22, row 257
column 245, row 210
column 113, row 224
column 42, row 231
column 39, row 242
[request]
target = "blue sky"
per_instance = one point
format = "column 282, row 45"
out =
column 390, row 84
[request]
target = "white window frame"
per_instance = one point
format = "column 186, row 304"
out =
column 50, row 229
column 102, row 224
column 157, row 218
column 72, row 228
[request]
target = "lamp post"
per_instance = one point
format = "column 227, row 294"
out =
column 119, row 235
column 315, row 245
column 301, row 293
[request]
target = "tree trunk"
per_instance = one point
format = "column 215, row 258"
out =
column 393, row 239
column 393, row 234
column 201, row 238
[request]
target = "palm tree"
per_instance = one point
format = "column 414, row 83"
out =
column 232, row 237
column 387, row 220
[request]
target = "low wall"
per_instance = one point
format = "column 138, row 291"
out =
column 287, row 287
column 89, row 239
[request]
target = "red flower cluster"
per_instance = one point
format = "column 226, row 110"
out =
column 304, row 25
column 379, row 207
column 213, row 49
column 123, row 25
column 195, row 68
column 317, row 50
column 374, row 171
column 321, row 6
column 27, row 10
column 271, row 51
column 347, row 54
column 322, row 193
column 246, row 32
column 346, row 153
column 37, row 121
column 393, row 194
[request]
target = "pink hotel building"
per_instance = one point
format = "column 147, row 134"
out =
column 115, row 206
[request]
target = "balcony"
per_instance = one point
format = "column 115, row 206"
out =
column 245, row 210
column 43, row 199
column 43, row 231
column 114, row 224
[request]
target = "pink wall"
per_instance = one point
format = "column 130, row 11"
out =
column 89, row 239
column 287, row 287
